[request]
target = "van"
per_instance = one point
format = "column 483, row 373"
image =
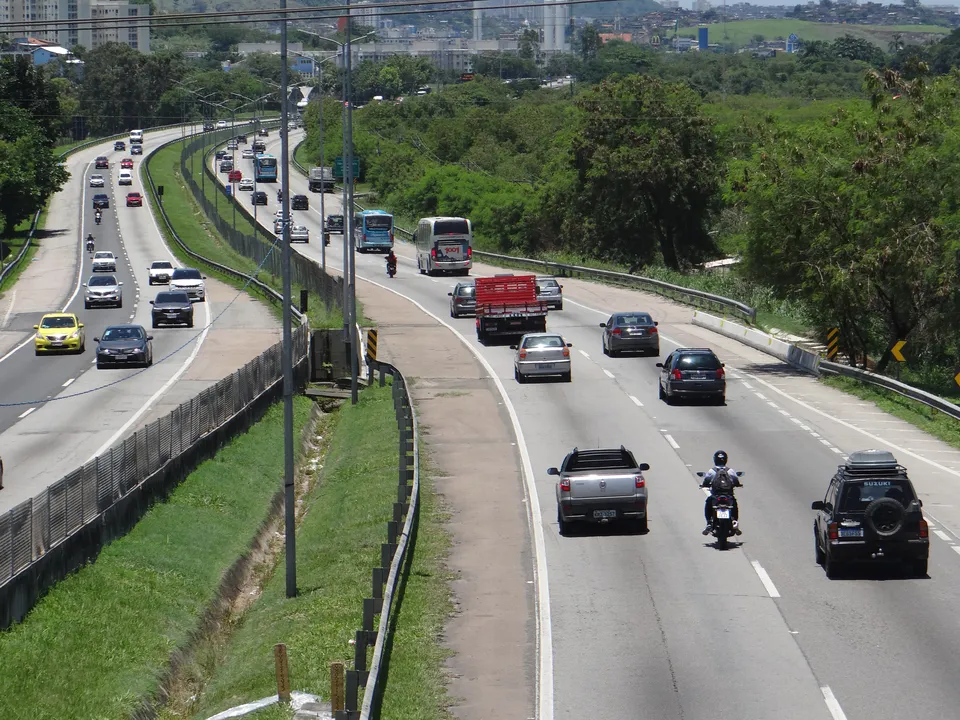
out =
column 136, row 136
column 126, row 178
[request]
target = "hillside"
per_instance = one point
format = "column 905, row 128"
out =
column 741, row 32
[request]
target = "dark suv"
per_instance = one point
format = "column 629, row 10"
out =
column 692, row 372
column 258, row 197
column 299, row 202
column 870, row 513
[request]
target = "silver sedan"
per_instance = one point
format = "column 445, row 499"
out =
column 541, row 354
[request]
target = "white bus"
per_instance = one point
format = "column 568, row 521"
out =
column 136, row 136
column 444, row 244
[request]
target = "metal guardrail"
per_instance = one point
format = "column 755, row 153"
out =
column 689, row 296
column 394, row 554
column 908, row 391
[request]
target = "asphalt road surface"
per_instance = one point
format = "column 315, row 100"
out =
column 664, row 625
column 57, row 412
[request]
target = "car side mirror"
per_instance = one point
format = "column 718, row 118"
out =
column 603, row 325
column 151, row 302
column 644, row 467
column 36, row 327
column 569, row 344
column 450, row 294
column 722, row 365
column 561, row 287
column 660, row 365
column 816, row 505
column 80, row 325
column 84, row 284
column 741, row 473
column 919, row 502
column 120, row 283
column 203, row 277
column 552, row 471
column 96, row 339
column 513, row 347
column 149, row 337
column 655, row 323
column 700, row 474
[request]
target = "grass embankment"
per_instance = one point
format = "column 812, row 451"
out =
column 742, row 32
column 199, row 234
column 927, row 419
column 338, row 543
column 97, row 643
column 10, row 247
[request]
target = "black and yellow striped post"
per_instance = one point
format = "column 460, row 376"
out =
column 371, row 345
column 833, row 343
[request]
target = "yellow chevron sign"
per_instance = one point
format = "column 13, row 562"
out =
column 833, row 343
column 372, row 344
column 895, row 351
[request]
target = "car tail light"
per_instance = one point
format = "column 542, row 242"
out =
column 653, row 330
column 565, row 485
column 638, row 481
column 566, row 352
column 469, row 253
column 433, row 253
column 924, row 530
column 676, row 375
column 363, row 238
column 720, row 373
column 523, row 354
column 617, row 332
column 832, row 531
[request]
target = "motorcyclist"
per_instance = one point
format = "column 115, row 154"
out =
column 279, row 195
column 721, row 480
column 392, row 261
column 98, row 216
column 90, row 242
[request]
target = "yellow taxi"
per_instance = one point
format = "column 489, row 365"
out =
column 59, row 332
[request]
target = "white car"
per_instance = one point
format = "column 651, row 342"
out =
column 190, row 281
column 221, row 124
column 246, row 184
column 159, row 272
column 246, row 154
column 232, row 145
column 102, row 290
column 299, row 233
column 104, row 261
column 126, row 178
column 96, row 181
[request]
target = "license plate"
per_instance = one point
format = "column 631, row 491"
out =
column 544, row 366
column 604, row 513
column 723, row 514
column 171, row 315
column 851, row 532
column 56, row 344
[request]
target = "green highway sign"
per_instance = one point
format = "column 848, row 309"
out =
column 338, row 167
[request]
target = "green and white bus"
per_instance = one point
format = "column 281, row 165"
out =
column 444, row 245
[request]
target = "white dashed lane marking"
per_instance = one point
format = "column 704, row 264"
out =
column 68, row 382
column 25, row 413
column 636, row 401
column 584, row 354
column 608, row 373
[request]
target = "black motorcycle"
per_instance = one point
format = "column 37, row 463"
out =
column 391, row 267
column 723, row 525
column 90, row 246
column 97, row 218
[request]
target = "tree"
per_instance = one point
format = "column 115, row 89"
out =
column 529, row 44
column 646, row 172
column 389, row 80
column 589, row 42
column 26, row 86
column 854, row 217
column 854, row 48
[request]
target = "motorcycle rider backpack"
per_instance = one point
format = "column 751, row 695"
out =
column 723, row 484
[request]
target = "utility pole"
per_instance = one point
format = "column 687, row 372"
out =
column 290, row 519
column 323, row 216
column 348, row 176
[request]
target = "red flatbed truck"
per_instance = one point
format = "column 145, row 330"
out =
column 508, row 305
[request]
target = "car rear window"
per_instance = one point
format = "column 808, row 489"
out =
column 547, row 282
column 466, row 291
column 549, row 341
column 856, row 497
column 699, row 361
column 451, row 227
column 106, row 281
column 186, row 274
column 172, row 297
column 635, row 319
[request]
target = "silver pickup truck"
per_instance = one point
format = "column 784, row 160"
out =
column 601, row 486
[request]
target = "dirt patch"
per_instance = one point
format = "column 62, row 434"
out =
column 469, row 438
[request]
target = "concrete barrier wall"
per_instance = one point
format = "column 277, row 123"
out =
column 780, row 349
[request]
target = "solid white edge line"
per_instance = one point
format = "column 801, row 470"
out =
column 544, row 688
column 833, row 705
column 673, row 443
column 765, row 579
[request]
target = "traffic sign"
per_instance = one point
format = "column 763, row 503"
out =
column 956, row 378
column 895, row 351
column 338, row 167
column 833, row 343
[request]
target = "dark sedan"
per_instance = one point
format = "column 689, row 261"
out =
column 630, row 331
column 101, row 201
column 124, row 345
column 299, row 202
column 258, row 198
column 172, row 308
column 102, row 163
column 692, row 372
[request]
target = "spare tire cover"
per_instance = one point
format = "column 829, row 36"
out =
column 884, row 517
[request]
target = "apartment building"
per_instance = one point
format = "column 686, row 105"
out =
column 134, row 34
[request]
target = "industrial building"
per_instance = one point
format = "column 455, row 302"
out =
column 134, row 34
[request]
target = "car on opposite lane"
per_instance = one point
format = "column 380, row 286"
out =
column 692, row 373
column 226, row 165
column 246, row 184
column 172, row 307
column 124, row 345
column 59, row 332
column 159, row 272
column 101, row 201
column 247, row 153
column 542, row 354
column 190, row 281
column 97, row 181
column 134, row 199
column 463, row 299
column 119, row 145
column 871, row 514
column 101, row 163
column 221, row 124
column 126, row 164
column 104, row 261
column 550, row 292
column 136, row 149
column 235, row 176
column 101, row 291
column 125, row 178
column 630, row 331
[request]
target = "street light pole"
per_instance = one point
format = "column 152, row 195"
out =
column 348, row 176
column 323, row 191
column 287, row 352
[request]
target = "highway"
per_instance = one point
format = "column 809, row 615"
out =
column 663, row 625
column 60, row 411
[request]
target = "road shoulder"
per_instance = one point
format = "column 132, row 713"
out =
column 473, row 455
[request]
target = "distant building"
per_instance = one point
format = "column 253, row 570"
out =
column 134, row 34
